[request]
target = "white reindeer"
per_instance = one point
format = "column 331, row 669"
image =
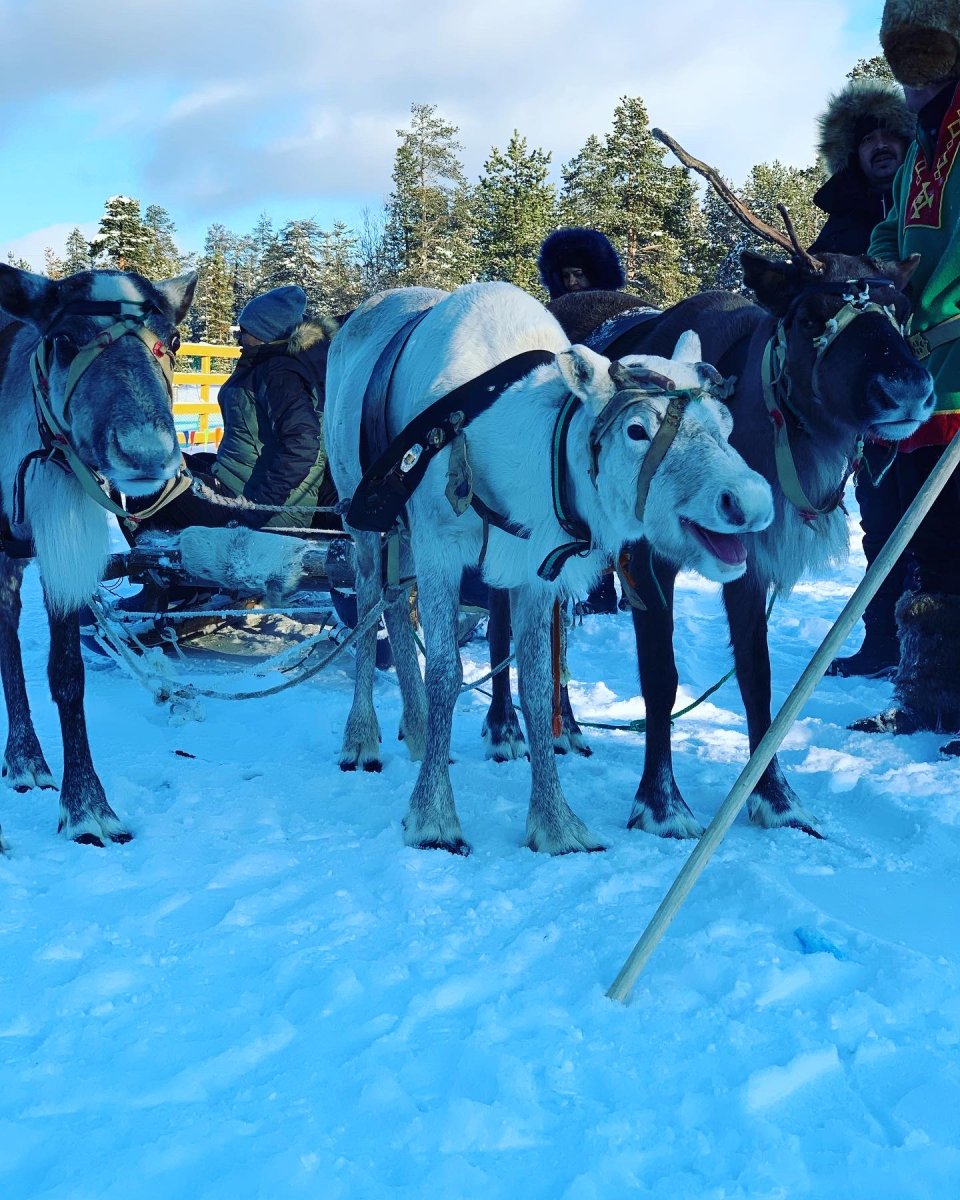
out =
column 700, row 498
column 85, row 400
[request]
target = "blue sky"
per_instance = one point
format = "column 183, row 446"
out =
column 221, row 109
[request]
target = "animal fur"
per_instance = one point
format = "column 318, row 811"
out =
column 921, row 40
column 577, row 247
column 927, row 682
column 861, row 98
column 509, row 447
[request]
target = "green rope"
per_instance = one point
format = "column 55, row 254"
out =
column 640, row 725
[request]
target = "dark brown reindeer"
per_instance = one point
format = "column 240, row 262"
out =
column 820, row 362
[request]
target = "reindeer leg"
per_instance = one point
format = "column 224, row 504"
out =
column 501, row 731
column 24, row 766
column 552, row 826
column 773, row 802
column 413, row 722
column 432, row 822
column 85, row 815
column 361, row 734
column 571, row 736
column 658, row 806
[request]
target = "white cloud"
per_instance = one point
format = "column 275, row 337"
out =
column 302, row 98
column 31, row 246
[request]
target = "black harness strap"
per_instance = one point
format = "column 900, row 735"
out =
column 388, row 484
column 374, row 438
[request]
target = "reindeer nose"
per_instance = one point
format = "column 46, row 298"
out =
column 730, row 510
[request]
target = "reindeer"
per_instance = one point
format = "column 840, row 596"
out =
column 85, row 397
column 699, row 500
column 820, row 363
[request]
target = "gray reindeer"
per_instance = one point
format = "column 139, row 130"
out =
column 85, row 397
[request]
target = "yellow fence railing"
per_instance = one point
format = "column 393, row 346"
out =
column 198, row 421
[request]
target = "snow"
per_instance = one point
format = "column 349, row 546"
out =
column 266, row 994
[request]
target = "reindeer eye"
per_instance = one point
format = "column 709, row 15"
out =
column 65, row 349
column 637, row 433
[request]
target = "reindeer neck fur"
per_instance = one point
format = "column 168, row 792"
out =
column 70, row 532
column 791, row 546
column 513, row 475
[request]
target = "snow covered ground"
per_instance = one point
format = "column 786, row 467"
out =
column 266, row 995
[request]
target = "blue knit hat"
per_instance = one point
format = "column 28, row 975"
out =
column 275, row 314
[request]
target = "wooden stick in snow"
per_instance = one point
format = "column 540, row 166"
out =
column 622, row 986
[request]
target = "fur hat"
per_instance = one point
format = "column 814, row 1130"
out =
column 921, row 39
column 274, row 314
column 587, row 249
column 862, row 106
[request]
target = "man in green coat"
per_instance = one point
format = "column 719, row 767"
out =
column 921, row 39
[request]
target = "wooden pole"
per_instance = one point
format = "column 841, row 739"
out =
column 622, row 986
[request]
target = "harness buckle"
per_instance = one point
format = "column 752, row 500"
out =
column 919, row 344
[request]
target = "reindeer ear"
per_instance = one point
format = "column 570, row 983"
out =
column 587, row 375
column 901, row 271
column 774, row 281
column 178, row 293
column 687, row 348
column 27, row 297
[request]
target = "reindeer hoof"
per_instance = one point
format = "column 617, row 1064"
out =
column 456, row 846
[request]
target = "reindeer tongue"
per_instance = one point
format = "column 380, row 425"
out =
column 725, row 546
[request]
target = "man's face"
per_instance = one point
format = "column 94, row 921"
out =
column 574, row 279
column 880, row 154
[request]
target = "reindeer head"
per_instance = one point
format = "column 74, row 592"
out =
column 846, row 367
column 102, row 367
column 701, row 496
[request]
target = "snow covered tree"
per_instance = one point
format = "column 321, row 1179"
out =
column 770, row 184
column 295, row 257
column 16, row 261
column 52, row 264
column 872, row 68
column 341, row 286
column 123, row 240
column 513, row 208
column 163, row 259
column 587, row 196
column 427, row 234
column 77, row 253
column 211, row 316
column 374, row 269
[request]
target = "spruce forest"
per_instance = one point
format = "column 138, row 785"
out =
column 437, row 229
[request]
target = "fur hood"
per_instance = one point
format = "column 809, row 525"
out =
column 860, row 99
column 310, row 333
column 584, row 248
column 921, row 40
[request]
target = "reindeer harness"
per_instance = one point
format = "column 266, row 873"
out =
column 777, row 386
column 388, row 482
column 56, row 446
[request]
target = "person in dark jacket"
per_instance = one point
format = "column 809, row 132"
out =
column 577, row 260
column 272, row 450
column 581, row 260
column 864, row 133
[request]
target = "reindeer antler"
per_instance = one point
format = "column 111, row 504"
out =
column 798, row 250
column 791, row 244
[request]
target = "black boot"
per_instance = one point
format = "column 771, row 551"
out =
column 877, row 658
column 927, row 681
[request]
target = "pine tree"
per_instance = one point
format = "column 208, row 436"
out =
column 646, row 222
column 514, row 209
column 77, row 254
column 211, row 316
column 872, row 68
column 770, row 184
column 20, row 263
column 123, row 241
column 295, row 257
column 164, row 260
column 52, row 264
column 341, row 286
column 427, row 234
column 587, row 197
